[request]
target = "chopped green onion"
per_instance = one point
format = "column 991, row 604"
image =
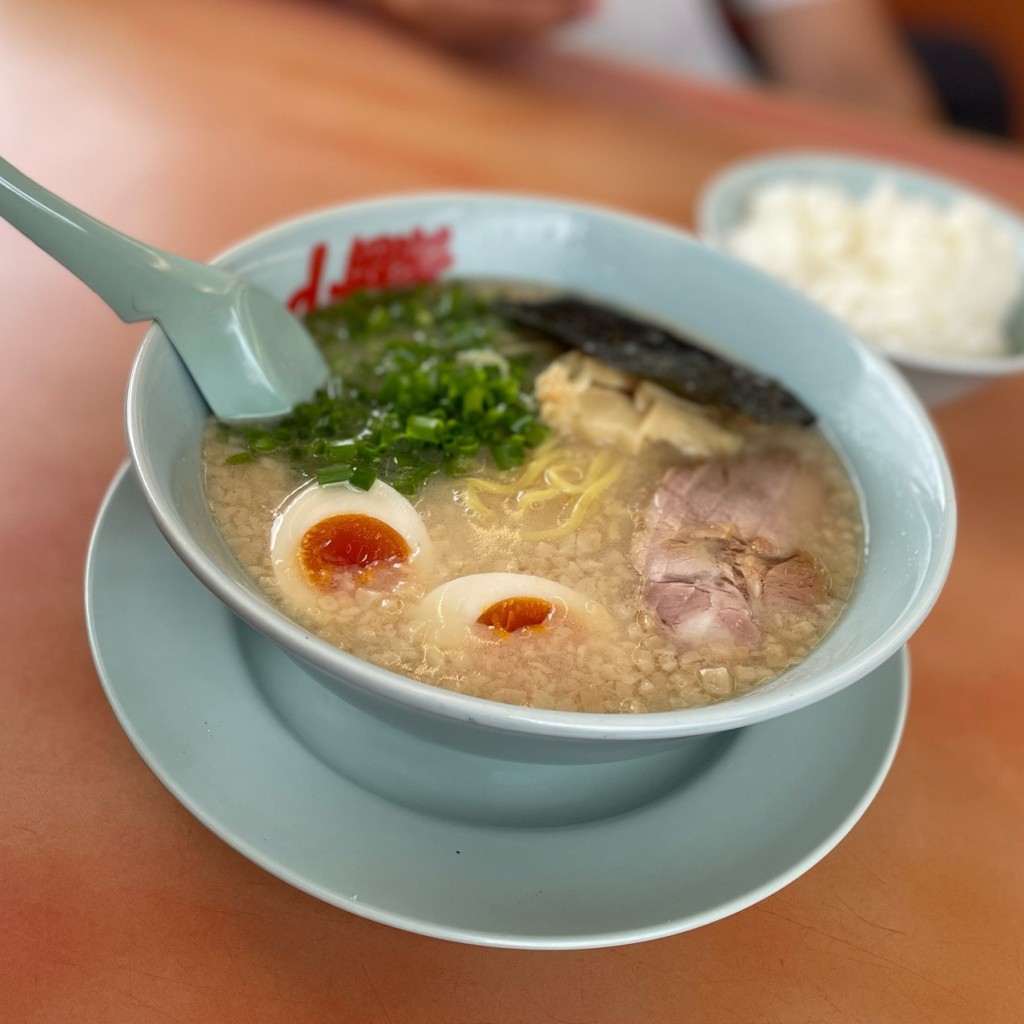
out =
column 333, row 474
column 344, row 450
column 400, row 404
column 423, row 428
column 363, row 477
column 507, row 456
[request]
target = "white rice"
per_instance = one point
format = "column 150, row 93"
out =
column 901, row 272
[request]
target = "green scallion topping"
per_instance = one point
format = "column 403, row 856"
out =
column 406, row 399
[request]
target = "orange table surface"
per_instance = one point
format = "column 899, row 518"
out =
column 192, row 124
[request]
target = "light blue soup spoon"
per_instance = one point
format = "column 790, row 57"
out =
column 250, row 358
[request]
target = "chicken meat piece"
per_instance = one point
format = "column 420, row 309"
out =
column 584, row 398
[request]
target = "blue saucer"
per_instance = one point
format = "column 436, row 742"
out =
column 176, row 667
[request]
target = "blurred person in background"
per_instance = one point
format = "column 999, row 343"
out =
column 847, row 51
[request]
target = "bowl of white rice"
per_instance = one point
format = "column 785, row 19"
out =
column 923, row 269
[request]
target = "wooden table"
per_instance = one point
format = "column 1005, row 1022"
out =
column 195, row 123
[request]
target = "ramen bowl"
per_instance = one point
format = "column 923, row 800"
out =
column 936, row 377
column 466, row 758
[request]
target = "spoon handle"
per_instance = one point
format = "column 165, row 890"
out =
column 133, row 278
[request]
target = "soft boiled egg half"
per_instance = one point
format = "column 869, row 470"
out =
column 327, row 537
column 499, row 605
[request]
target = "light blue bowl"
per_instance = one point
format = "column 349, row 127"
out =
column 724, row 202
column 473, row 759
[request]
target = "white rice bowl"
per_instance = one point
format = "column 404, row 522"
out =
column 902, row 271
column 922, row 268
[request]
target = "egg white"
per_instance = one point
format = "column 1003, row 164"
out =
column 451, row 610
column 315, row 503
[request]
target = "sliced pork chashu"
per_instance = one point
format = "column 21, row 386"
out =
column 722, row 546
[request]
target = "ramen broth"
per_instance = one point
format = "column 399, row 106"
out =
column 577, row 512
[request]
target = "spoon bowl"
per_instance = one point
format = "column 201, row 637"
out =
column 249, row 357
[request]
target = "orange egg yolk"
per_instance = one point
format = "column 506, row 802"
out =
column 351, row 541
column 515, row 613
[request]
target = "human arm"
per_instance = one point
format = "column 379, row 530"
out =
column 475, row 23
column 842, row 50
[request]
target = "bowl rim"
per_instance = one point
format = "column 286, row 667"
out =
column 748, row 709
column 739, row 177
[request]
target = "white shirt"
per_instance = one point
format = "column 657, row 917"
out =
column 688, row 37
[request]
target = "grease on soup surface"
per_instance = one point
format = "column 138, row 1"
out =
column 645, row 555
